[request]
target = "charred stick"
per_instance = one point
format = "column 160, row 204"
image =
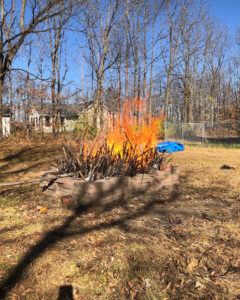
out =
column 128, row 138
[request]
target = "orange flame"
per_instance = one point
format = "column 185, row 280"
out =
column 134, row 126
column 132, row 129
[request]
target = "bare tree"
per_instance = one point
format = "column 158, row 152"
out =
column 16, row 27
column 190, row 55
column 127, row 30
column 56, row 35
column 146, row 14
column 100, row 23
column 175, row 15
column 155, row 14
column 135, row 38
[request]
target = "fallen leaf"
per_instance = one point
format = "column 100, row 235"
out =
column 213, row 272
column 147, row 283
column 217, row 283
column 192, row 265
column 132, row 295
column 198, row 284
column 130, row 285
column 43, row 209
column 163, row 274
column 168, row 286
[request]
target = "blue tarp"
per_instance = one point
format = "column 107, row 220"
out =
column 170, row 147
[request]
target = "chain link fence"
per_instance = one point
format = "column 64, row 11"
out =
column 226, row 132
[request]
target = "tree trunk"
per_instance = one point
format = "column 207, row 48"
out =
column 145, row 54
column 119, row 90
column 136, row 55
column 41, row 97
column 10, row 95
column 1, row 102
column 168, row 91
column 53, row 95
column 99, row 102
column 127, row 50
column 149, row 107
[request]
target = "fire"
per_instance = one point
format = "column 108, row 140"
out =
column 134, row 127
column 128, row 147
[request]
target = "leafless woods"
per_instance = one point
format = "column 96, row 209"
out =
column 56, row 56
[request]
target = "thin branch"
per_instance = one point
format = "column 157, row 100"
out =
column 29, row 73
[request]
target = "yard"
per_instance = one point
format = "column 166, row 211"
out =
column 181, row 243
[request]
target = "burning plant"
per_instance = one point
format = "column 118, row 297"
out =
column 128, row 147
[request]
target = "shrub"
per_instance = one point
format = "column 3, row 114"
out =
column 85, row 125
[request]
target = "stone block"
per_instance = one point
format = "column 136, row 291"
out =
column 110, row 189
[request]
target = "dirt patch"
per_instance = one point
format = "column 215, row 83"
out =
column 180, row 243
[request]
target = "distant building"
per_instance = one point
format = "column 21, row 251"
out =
column 90, row 111
column 42, row 120
column 6, row 125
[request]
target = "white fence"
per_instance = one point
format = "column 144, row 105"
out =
column 204, row 132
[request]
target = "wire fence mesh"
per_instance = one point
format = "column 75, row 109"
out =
column 226, row 132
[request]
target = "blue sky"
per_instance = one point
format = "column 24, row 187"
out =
column 228, row 13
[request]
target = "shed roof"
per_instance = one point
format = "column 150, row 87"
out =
column 6, row 112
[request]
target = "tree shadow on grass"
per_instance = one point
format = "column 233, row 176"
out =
column 65, row 292
column 22, row 171
column 17, row 155
column 26, row 155
column 11, row 228
column 65, row 230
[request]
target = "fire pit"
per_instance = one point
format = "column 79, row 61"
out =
column 122, row 164
column 74, row 192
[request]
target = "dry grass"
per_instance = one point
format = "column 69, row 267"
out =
column 26, row 161
column 182, row 243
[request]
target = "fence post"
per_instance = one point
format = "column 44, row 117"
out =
column 165, row 127
column 202, row 132
column 182, row 133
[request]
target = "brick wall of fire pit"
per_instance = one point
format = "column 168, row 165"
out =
column 72, row 191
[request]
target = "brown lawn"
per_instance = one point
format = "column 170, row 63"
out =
column 181, row 243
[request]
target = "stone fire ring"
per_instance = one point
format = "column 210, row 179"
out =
column 74, row 192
